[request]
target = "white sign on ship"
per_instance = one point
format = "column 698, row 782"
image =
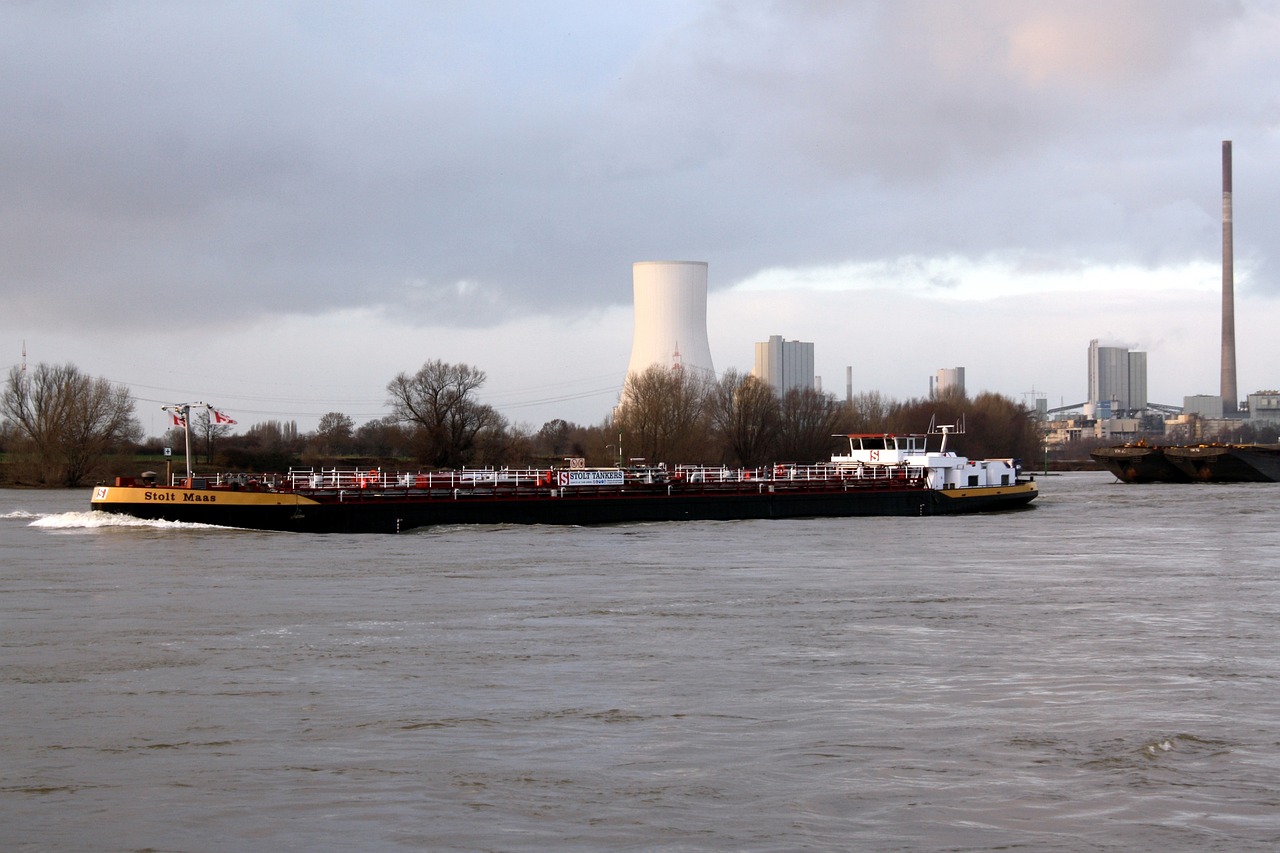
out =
column 608, row 477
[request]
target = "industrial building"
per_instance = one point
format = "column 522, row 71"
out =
column 784, row 365
column 670, row 316
column 1204, row 406
column 1117, row 381
column 1117, row 407
column 1264, row 406
column 948, row 382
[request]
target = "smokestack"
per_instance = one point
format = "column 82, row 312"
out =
column 1229, row 396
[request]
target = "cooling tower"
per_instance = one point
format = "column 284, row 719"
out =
column 671, row 316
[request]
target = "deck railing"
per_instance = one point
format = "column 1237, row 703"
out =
column 519, row 478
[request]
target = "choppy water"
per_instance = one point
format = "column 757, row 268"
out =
column 1097, row 674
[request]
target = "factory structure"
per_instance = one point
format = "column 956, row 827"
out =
column 1228, row 392
column 670, row 316
column 784, row 365
column 670, row 302
column 1117, row 382
column 1117, row 408
column 671, row 330
column 947, row 382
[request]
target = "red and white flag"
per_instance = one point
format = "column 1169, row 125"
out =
column 178, row 419
column 220, row 418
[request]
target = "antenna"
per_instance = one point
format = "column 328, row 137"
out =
column 946, row 430
column 183, row 411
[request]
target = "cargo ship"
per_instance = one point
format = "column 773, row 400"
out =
column 880, row 475
column 1196, row 463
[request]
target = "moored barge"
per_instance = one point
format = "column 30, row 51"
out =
column 1194, row 463
column 1139, row 463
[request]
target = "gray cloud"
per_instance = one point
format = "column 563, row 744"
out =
column 465, row 163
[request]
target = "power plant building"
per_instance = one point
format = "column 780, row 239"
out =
column 948, row 382
column 784, row 365
column 1117, row 381
column 670, row 316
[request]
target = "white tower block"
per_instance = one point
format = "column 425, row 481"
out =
column 671, row 316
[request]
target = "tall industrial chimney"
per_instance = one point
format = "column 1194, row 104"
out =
column 1229, row 397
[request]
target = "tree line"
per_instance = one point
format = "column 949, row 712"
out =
column 61, row 427
column 739, row 420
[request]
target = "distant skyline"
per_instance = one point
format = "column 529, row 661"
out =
column 278, row 206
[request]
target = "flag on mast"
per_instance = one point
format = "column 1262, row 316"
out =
column 219, row 417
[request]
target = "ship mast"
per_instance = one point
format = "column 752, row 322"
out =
column 183, row 412
column 945, row 430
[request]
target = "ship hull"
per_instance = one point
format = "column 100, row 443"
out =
column 1202, row 463
column 394, row 511
column 1140, row 464
column 1227, row 463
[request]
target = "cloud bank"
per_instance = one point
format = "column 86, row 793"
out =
column 448, row 167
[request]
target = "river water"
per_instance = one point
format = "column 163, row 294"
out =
column 1099, row 673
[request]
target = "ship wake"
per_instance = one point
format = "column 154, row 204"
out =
column 97, row 520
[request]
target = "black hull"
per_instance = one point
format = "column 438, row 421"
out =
column 1228, row 463
column 1206, row 463
column 1140, row 465
column 392, row 513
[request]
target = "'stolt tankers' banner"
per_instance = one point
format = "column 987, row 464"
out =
column 608, row 477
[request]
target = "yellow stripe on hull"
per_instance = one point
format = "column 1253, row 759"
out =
column 991, row 491
column 104, row 497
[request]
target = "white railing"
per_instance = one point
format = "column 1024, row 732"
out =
column 354, row 478
column 369, row 478
column 340, row 479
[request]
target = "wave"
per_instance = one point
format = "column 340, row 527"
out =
column 93, row 520
column 19, row 514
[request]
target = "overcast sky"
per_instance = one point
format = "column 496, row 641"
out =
column 277, row 206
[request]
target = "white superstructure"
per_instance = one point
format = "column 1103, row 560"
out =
column 671, row 316
column 942, row 468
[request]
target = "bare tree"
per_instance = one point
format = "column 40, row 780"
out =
column 744, row 414
column 334, row 433
column 70, row 421
column 663, row 415
column 553, row 438
column 440, row 400
column 809, row 419
column 381, row 437
column 205, row 428
column 995, row 425
column 869, row 411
